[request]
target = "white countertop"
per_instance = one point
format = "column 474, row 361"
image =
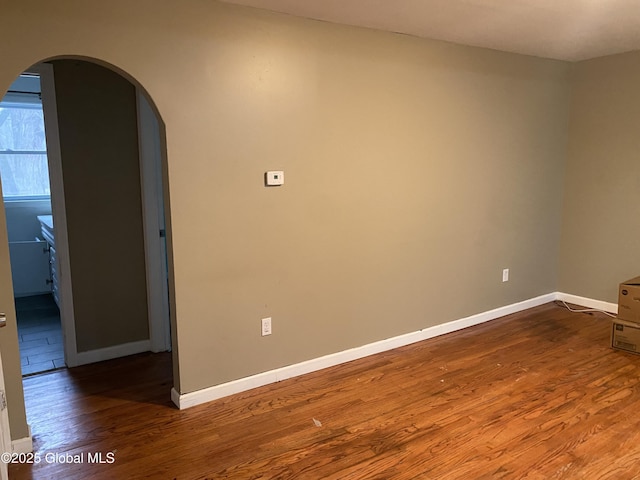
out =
column 46, row 220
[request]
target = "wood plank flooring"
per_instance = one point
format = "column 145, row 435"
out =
column 535, row 395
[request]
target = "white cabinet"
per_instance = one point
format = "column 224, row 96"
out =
column 46, row 227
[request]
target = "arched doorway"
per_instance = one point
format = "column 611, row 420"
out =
column 107, row 127
column 108, row 208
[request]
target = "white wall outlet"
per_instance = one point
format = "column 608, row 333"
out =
column 505, row 275
column 266, row 326
column 274, row 178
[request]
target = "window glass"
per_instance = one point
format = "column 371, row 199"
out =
column 23, row 151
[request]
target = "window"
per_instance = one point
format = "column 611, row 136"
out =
column 23, row 150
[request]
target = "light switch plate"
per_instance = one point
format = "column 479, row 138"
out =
column 274, row 178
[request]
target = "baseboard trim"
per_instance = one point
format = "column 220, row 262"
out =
column 191, row 399
column 109, row 353
column 22, row 445
column 587, row 302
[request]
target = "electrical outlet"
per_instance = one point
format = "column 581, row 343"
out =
column 505, row 275
column 266, row 326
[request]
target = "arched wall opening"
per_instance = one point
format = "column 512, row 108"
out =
column 107, row 159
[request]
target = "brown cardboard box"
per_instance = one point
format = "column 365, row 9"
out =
column 629, row 300
column 625, row 336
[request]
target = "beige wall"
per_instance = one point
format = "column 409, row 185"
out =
column 415, row 172
column 97, row 121
column 601, row 225
column 9, row 350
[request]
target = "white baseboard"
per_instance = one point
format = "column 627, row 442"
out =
column 23, row 445
column 109, row 353
column 587, row 302
column 205, row 395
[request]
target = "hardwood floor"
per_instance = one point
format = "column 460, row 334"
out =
column 536, row 395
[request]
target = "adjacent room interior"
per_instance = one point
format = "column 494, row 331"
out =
column 27, row 201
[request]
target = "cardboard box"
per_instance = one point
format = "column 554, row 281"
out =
column 629, row 300
column 625, row 336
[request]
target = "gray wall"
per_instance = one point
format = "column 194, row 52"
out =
column 601, row 223
column 99, row 146
column 416, row 171
column 22, row 221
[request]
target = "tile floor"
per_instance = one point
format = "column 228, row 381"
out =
column 39, row 334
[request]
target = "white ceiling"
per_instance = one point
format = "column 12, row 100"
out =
column 562, row 29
